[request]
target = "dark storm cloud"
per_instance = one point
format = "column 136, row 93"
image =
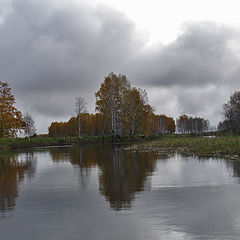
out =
column 52, row 52
column 61, row 45
column 200, row 56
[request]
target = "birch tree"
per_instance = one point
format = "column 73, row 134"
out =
column 110, row 101
column 80, row 108
column 134, row 113
column 124, row 87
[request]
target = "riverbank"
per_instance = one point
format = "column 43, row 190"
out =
column 23, row 143
column 203, row 146
column 224, row 146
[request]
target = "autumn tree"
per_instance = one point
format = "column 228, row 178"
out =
column 134, row 110
column 147, row 126
column 111, row 100
column 163, row 124
column 99, row 124
column 56, row 129
column 170, row 125
column 80, row 108
column 10, row 118
column 29, row 125
column 72, row 127
column 123, row 107
column 91, row 125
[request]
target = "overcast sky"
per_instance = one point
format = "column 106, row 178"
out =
column 186, row 53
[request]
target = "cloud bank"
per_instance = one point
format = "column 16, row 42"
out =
column 52, row 51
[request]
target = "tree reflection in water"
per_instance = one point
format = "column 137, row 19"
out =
column 122, row 173
column 13, row 169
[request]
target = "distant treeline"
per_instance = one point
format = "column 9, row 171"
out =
column 186, row 124
column 93, row 125
column 123, row 110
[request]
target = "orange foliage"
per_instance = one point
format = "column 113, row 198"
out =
column 91, row 126
column 10, row 118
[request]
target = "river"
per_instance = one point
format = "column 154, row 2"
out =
column 106, row 192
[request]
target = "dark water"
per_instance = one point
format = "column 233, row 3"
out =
column 98, row 192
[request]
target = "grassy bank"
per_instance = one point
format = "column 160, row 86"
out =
column 227, row 146
column 17, row 143
column 21, row 143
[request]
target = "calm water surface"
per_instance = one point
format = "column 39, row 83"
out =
column 97, row 192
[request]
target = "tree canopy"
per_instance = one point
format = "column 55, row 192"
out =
column 123, row 107
column 10, row 118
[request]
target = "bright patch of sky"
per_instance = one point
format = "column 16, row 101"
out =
column 163, row 19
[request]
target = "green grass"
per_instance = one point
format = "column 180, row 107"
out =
column 18, row 143
column 201, row 146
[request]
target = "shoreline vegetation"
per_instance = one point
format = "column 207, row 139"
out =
column 45, row 141
column 199, row 145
